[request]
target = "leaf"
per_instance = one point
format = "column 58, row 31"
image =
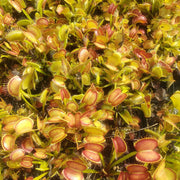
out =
column 17, row 154
column 119, row 145
column 39, row 6
column 40, row 176
column 8, row 142
column 16, row 35
column 146, row 144
column 70, row 2
column 116, row 97
column 123, row 159
column 90, row 171
column 126, row 116
column 63, row 32
column 24, row 125
column 148, row 156
column 175, row 98
column 157, row 72
column 24, row 22
column 92, row 156
column 164, row 173
column 57, row 134
column 69, row 174
column 43, row 166
column 14, row 85
column 76, row 165
column 94, row 147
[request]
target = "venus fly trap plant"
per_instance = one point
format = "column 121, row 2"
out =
column 89, row 89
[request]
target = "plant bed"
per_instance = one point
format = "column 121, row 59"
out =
column 89, row 89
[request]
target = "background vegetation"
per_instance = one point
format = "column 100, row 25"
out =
column 89, row 89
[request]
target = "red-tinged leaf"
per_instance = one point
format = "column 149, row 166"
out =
column 136, row 12
column 27, row 145
column 83, row 55
column 71, row 174
column 8, row 142
column 101, row 41
column 116, row 97
column 119, row 145
column 76, row 165
column 85, row 121
column 91, row 24
column 136, row 84
column 123, row 176
column 9, row 119
column 136, row 168
column 167, row 67
column 57, row 134
column 146, row 144
column 142, row 54
column 72, row 106
column 24, row 125
column 55, row 147
column 139, row 176
column 72, row 122
column 94, row 147
column 26, row 162
column 17, row 154
column 16, row 5
column 8, row 19
column 139, row 19
column 57, row 115
column 14, row 86
column 90, row 96
column 148, row 156
column 64, row 94
column 29, row 178
column 57, row 83
column 40, row 153
column 112, row 8
column 77, row 120
column 170, row 60
column 9, row 126
column 92, row 156
column 31, row 37
column 56, row 112
column 42, row 22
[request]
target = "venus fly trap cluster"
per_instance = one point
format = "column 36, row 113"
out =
column 89, row 89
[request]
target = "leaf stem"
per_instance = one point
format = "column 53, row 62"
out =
column 123, row 159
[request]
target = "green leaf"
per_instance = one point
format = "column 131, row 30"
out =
column 126, row 116
column 40, row 176
column 39, row 6
column 90, row 171
column 175, row 98
column 23, row 22
column 43, row 166
column 70, row 2
column 15, row 35
column 123, row 159
column 157, row 72
column 63, row 32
